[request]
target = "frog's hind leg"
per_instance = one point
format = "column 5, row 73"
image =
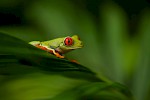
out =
column 41, row 47
column 45, row 48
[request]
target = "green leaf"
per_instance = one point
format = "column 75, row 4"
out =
column 15, row 46
column 95, row 91
column 17, row 52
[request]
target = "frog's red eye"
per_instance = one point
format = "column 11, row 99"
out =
column 68, row 41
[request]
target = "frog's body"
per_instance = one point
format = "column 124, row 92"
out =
column 59, row 46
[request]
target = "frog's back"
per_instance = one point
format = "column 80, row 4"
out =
column 54, row 42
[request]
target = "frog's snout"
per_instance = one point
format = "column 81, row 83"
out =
column 81, row 44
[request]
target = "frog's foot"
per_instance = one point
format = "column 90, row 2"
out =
column 58, row 55
column 74, row 61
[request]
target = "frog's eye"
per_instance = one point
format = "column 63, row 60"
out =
column 68, row 41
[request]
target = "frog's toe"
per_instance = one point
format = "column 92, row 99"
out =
column 58, row 55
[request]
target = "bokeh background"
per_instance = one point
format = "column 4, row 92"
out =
column 115, row 33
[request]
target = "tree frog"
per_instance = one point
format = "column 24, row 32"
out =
column 59, row 46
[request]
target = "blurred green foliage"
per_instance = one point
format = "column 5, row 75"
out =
column 112, row 52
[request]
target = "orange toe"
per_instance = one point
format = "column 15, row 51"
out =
column 58, row 55
column 74, row 61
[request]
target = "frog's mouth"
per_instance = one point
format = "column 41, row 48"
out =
column 73, row 48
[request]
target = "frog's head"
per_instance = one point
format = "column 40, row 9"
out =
column 70, row 43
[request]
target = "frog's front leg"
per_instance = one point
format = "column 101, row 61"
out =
column 57, row 54
column 52, row 51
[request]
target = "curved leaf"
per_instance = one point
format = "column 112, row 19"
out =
column 95, row 91
column 17, row 51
